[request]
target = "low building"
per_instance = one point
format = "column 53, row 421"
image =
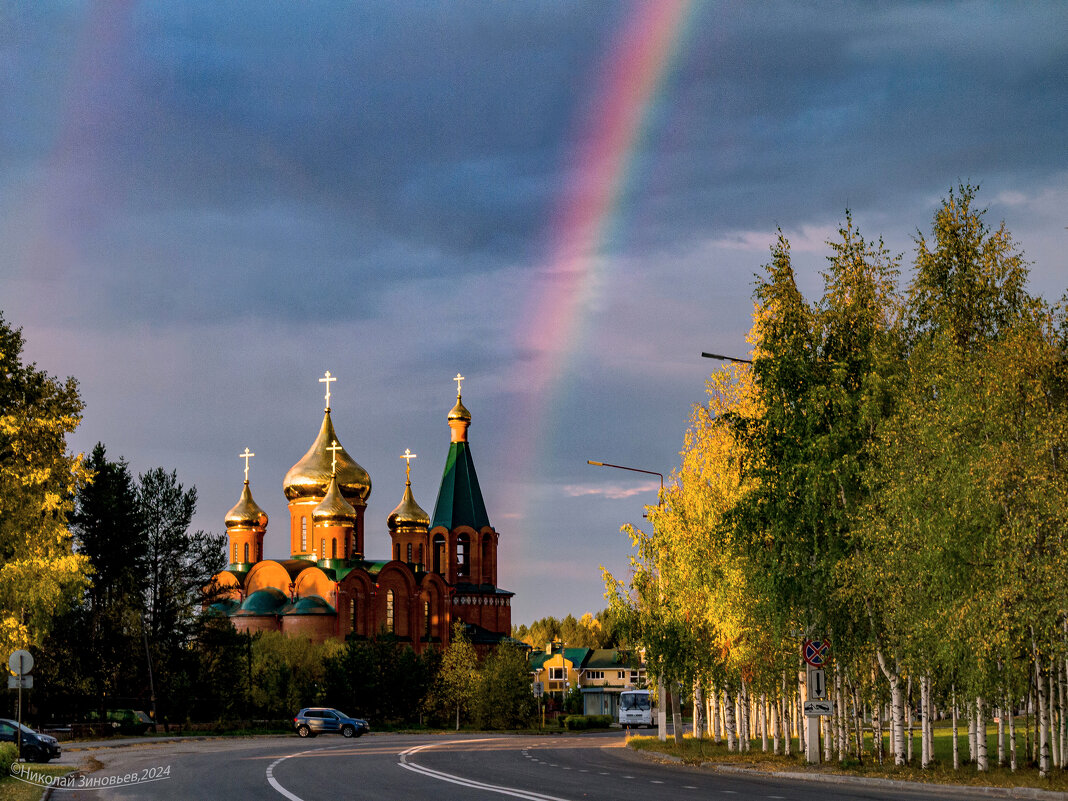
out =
column 601, row 674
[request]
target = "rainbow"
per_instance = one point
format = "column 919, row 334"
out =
column 637, row 63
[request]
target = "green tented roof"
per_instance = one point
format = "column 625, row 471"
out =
column 460, row 498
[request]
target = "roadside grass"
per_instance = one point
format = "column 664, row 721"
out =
column 14, row 789
column 696, row 751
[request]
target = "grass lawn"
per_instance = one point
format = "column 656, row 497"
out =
column 695, row 751
column 13, row 789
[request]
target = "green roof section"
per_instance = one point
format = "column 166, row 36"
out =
column 268, row 601
column 460, row 498
column 601, row 658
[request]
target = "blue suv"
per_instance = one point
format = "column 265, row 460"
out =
column 322, row 720
column 35, row 747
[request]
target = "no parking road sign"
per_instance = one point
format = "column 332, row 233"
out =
column 816, row 652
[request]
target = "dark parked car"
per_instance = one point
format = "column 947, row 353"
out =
column 35, row 747
column 321, row 720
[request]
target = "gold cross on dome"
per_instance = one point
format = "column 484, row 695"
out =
column 458, row 379
column 407, row 456
column 246, row 456
column 326, row 380
column 334, row 448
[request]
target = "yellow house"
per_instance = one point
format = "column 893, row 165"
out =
column 557, row 668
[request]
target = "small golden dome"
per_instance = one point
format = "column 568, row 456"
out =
column 408, row 513
column 459, row 411
column 310, row 477
column 334, row 508
column 246, row 513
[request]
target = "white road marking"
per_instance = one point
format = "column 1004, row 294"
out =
column 271, row 780
column 688, row 787
column 452, row 779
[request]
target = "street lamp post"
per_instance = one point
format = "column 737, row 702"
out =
column 726, row 358
column 661, row 712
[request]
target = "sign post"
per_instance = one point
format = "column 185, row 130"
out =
column 21, row 663
column 815, row 653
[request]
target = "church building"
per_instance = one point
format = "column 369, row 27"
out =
column 438, row 570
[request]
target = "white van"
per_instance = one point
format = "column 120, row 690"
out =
column 635, row 708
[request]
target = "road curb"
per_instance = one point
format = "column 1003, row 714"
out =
column 95, row 745
column 834, row 778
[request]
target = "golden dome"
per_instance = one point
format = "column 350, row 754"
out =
column 246, row 512
column 459, row 411
column 408, row 513
column 334, row 508
column 310, row 477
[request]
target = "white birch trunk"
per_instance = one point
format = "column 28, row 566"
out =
column 1042, row 720
column 925, row 722
column 787, row 703
column 956, row 734
column 717, row 717
column 897, row 731
column 931, row 716
column 728, row 720
column 877, row 731
column 698, row 710
column 676, row 712
column 764, row 722
column 1054, row 750
column 776, row 728
column 1064, row 723
column 908, row 722
column 1001, row 735
column 971, row 734
column 1012, row 735
column 743, row 703
column 858, row 724
column 982, row 764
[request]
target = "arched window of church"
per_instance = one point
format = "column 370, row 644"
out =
column 322, row 548
column 235, row 554
column 389, row 611
column 426, row 618
column 259, row 551
column 304, row 535
column 420, row 553
column 246, row 551
column 439, row 553
column 333, row 548
column 352, row 613
column 409, row 553
column 463, row 552
column 487, row 569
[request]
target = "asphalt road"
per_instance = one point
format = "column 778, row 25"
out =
column 440, row 768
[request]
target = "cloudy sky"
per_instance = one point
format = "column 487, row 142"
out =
column 205, row 205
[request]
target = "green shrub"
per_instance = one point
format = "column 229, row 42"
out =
column 581, row 722
column 7, row 758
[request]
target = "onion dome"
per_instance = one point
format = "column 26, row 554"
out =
column 246, row 514
column 334, row 509
column 310, row 477
column 459, row 412
column 408, row 513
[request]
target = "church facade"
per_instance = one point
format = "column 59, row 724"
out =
column 439, row 569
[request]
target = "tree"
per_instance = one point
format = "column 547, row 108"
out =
column 457, row 679
column 505, row 699
column 179, row 564
column 40, row 573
